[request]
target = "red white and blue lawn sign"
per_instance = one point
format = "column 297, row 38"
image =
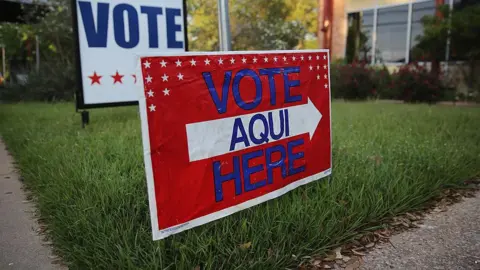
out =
column 223, row 132
column 110, row 35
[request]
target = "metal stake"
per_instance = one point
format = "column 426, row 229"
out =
column 224, row 26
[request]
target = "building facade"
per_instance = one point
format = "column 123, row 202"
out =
column 374, row 31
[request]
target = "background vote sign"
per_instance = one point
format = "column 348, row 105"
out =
column 225, row 131
column 111, row 33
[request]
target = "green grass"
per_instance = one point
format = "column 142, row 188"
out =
column 91, row 187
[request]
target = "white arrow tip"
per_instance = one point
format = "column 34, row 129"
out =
column 314, row 117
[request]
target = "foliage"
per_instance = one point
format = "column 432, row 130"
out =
column 91, row 190
column 271, row 24
column 353, row 81
column 463, row 26
column 52, row 83
column 383, row 81
column 202, row 25
column 52, row 25
column 413, row 83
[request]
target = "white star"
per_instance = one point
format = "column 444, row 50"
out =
column 232, row 60
column 193, row 62
column 150, row 93
column 318, row 67
column 244, row 60
column 326, row 85
column 309, row 57
column 149, row 79
column 220, row 61
column 163, row 63
column 318, row 77
column 324, row 57
column 310, row 67
column 294, row 58
column 152, row 108
column 164, row 78
column 318, row 57
column 284, row 58
column 324, row 66
column 166, row 92
column 254, row 60
column 146, row 64
column 275, row 59
column 207, row 62
column 325, row 76
column 265, row 59
column 180, row 76
column 179, row 63
column 301, row 57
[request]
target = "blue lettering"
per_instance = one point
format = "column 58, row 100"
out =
column 272, row 125
column 219, row 179
column 287, row 124
column 289, row 84
column 236, row 89
column 119, row 26
column 247, row 171
column 152, row 14
column 294, row 156
column 96, row 36
column 220, row 104
column 173, row 28
column 270, row 72
column 275, row 164
column 263, row 134
column 238, row 126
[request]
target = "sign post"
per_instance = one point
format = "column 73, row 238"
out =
column 109, row 36
column 225, row 131
column 4, row 64
column 224, row 26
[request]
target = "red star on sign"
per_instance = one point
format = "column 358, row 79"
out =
column 117, row 78
column 95, row 78
column 135, row 78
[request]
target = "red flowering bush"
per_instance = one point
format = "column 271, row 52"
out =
column 383, row 81
column 353, row 82
column 414, row 83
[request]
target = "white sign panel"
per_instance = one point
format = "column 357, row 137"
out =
column 110, row 35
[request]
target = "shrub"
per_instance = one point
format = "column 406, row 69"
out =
column 353, row 82
column 414, row 83
column 51, row 83
column 383, row 80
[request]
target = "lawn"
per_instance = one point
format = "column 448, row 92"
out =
column 91, row 188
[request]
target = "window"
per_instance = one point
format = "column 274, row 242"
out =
column 366, row 31
column 419, row 10
column 391, row 34
column 359, row 38
column 397, row 29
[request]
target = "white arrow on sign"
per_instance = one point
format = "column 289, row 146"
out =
column 212, row 138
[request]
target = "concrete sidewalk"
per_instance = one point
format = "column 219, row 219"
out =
column 20, row 246
column 447, row 240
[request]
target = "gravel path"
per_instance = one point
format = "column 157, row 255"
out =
column 20, row 246
column 447, row 240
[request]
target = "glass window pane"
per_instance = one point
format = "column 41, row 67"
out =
column 366, row 30
column 391, row 34
column 359, row 38
column 419, row 10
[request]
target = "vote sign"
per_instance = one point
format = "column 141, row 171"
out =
column 226, row 131
column 110, row 35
